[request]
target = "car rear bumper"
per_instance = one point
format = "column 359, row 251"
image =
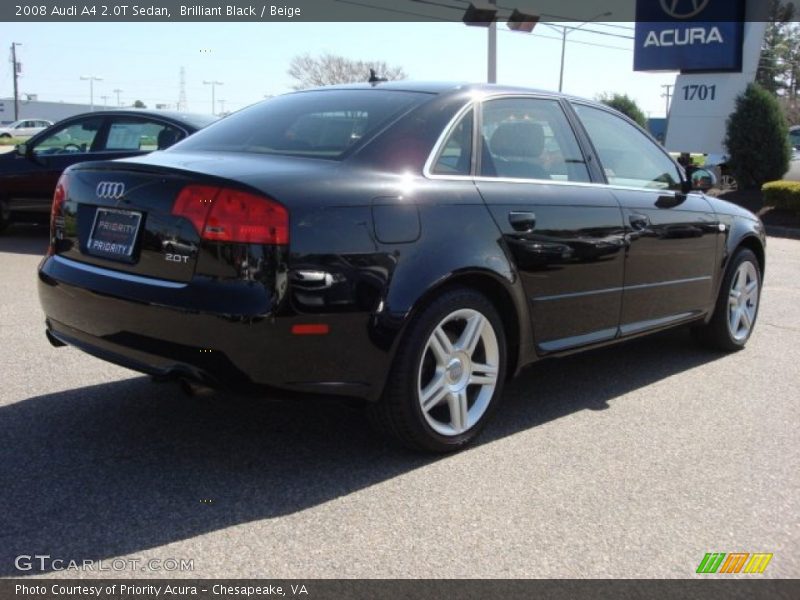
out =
column 221, row 334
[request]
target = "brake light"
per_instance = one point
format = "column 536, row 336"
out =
column 57, row 210
column 228, row 215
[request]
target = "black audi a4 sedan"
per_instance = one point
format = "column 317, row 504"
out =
column 28, row 175
column 413, row 245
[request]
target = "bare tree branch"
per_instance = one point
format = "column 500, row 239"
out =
column 329, row 69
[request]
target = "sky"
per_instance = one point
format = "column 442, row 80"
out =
column 144, row 59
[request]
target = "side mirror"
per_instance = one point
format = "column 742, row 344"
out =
column 21, row 149
column 703, row 179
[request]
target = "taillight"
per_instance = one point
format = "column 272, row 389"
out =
column 57, row 211
column 228, row 215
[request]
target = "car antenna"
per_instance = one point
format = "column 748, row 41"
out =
column 374, row 79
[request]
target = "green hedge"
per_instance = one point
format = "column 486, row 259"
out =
column 782, row 194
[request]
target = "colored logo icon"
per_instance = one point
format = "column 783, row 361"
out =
column 734, row 562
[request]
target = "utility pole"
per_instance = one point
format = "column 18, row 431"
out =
column 668, row 95
column 105, row 100
column 182, row 104
column 15, row 68
column 213, row 83
column 118, row 92
column 91, row 79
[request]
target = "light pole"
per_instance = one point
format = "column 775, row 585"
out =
column 484, row 14
column 118, row 92
column 492, row 50
column 564, row 32
column 213, row 84
column 15, row 69
column 105, row 100
column 91, row 79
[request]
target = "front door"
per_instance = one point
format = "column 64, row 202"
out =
column 671, row 236
column 565, row 236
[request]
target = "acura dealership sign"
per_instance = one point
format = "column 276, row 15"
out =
column 689, row 35
column 715, row 45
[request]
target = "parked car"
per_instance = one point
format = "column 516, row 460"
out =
column 28, row 175
column 24, row 128
column 401, row 243
column 726, row 180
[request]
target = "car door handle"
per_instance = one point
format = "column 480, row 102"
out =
column 524, row 222
column 639, row 222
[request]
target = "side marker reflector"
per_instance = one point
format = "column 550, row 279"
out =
column 311, row 329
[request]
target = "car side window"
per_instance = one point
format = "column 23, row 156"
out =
column 140, row 135
column 70, row 139
column 529, row 138
column 629, row 158
column 455, row 157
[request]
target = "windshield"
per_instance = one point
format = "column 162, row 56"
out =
column 321, row 124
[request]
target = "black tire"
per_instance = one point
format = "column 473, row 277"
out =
column 717, row 332
column 399, row 412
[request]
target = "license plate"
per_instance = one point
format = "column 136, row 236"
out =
column 114, row 233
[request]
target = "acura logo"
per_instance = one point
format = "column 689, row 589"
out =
column 683, row 9
column 111, row 190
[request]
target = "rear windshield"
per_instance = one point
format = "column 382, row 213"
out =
column 321, row 124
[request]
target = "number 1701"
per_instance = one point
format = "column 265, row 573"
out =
column 699, row 92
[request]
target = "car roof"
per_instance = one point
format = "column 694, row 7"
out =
column 446, row 87
column 197, row 120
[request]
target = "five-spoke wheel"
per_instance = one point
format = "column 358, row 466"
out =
column 737, row 304
column 743, row 301
column 448, row 373
column 458, row 372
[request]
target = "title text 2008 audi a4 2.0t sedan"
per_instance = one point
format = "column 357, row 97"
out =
column 413, row 245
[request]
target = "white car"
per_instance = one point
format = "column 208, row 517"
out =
column 24, row 128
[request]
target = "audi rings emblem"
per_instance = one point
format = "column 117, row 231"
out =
column 683, row 9
column 111, row 190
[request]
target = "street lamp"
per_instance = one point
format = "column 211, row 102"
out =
column 213, row 84
column 91, row 79
column 564, row 32
column 484, row 14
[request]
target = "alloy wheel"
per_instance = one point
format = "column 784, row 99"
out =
column 458, row 372
column 743, row 301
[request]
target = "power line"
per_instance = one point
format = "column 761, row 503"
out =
column 442, row 19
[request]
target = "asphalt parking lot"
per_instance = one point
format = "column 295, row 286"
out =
column 632, row 461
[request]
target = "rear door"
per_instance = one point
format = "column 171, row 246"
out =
column 671, row 235
column 565, row 235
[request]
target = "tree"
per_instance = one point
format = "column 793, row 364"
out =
column 775, row 67
column 329, row 69
column 626, row 105
column 757, row 139
column 139, row 104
